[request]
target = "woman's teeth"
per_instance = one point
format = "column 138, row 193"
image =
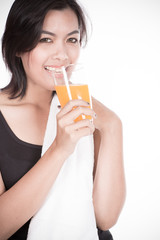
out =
column 49, row 68
column 57, row 70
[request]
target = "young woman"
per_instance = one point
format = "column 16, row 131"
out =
column 41, row 34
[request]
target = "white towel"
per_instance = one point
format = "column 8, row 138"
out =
column 68, row 212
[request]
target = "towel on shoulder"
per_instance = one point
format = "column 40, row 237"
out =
column 67, row 213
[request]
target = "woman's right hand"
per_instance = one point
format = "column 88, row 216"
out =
column 68, row 131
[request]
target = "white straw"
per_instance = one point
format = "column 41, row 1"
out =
column 66, row 83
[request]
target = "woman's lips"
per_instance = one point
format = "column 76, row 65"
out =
column 57, row 71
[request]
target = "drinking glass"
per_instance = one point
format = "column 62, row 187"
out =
column 70, row 85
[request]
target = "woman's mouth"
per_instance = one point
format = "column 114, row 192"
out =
column 56, row 72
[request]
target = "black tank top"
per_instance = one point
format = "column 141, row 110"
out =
column 16, row 158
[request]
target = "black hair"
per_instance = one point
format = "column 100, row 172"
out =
column 22, row 34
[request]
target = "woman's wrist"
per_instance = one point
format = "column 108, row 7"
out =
column 59, row 151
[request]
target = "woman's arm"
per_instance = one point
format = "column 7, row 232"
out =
column 23, row 200
column 109, row 180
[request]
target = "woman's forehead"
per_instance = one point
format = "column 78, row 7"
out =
column 58, row 20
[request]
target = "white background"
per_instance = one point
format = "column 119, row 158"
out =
column 123, row 60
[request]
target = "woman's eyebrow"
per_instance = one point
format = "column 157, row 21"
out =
column 53, row 34
column 47, row 32
column 73, row 32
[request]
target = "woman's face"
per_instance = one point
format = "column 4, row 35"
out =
column 59, row 45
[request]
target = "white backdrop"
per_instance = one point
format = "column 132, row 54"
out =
column 123, row 59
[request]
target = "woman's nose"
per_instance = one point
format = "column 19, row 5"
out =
column 60, row 52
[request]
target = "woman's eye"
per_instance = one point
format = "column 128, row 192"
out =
column 73, row 40
column 45, row 40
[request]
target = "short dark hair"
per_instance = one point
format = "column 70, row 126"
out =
column 22, row 33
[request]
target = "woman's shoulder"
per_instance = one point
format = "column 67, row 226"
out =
column 23, row 118
column 9, row 106
column 4, row 100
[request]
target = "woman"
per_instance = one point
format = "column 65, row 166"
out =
column 39, row 34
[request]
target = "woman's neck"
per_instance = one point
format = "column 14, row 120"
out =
column 38, row 97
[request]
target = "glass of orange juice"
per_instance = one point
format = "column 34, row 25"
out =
column 69, row 86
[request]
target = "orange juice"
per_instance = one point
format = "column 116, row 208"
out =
column 77, row 92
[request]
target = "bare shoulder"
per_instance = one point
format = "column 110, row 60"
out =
column 4, row 100
column 26, row 120
column 15, row 109
column 9, row 108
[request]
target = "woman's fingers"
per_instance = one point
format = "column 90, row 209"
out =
column 79, row 129
column 84, row 128
column 75, row 113
column 69, row 131
column 83, row 124
column 72, row 104
column 73, row 110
